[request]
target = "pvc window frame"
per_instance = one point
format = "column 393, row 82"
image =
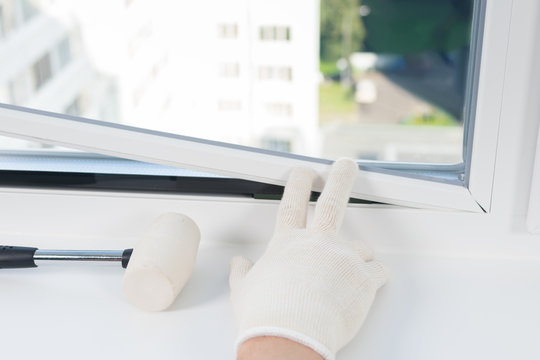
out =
column 533, row 213
column 473, row 194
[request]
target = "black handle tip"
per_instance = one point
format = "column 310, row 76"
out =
column 16, row 257
column 126, row 255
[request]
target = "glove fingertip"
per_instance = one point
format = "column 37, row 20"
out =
column 347, row 165
column 365, row 251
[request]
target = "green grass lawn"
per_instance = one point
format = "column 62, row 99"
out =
column 328, row 68
column 334, row 99
column 434, row 118
column 337, row 103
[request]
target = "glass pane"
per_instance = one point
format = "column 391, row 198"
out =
column 376, row 80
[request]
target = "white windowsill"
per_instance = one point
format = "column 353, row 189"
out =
column 449, row 289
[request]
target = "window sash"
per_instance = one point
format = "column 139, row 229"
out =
column 214, row 157
column 271, row 167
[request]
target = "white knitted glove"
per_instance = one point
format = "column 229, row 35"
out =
column 309, row 286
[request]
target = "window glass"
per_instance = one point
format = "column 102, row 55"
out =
column 63, row 52
column 229, row 70
column 381, row 80
column 3, row 27
column 28, row 9
column 42, row 71
column 20, row 87
column 229, row 30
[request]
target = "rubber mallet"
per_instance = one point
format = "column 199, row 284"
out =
column 157, row 268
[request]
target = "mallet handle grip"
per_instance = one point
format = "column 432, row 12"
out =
column 16, row 257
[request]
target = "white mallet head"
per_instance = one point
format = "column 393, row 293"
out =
column 161, row 263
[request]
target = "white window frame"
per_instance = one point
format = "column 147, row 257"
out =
column 533, row 213
column 271, row 167
column 497, row 21
column 437, row 259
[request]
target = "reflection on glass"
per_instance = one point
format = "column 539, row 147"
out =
column 371, row 79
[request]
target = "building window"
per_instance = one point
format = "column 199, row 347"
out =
column 282, row 73
column 3, row 29
column 64, row 52
column 275, row 33
column 229, row 70
column 4, row 94
column 229, row 105
column 228, row 31
column 279, row 109
column 282, row 33
column 7, row 17
column 74, row 108
column 20, row 88
column 276, row 144
column 42, row 71
column 28, row 10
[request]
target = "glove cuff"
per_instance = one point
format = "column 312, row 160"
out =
column 288, row 334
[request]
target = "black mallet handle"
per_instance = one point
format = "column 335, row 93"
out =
column 13, row 257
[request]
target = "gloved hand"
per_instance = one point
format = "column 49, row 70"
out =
column 309, row 286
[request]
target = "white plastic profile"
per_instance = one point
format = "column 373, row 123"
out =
column 533, row 214
column 226, row 159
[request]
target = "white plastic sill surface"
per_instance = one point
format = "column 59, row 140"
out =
column 433, row 308
column 451, row 296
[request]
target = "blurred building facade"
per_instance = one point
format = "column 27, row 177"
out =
column 241, row 71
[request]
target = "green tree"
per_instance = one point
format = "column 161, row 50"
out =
column 412, row 26
column 342, row 31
